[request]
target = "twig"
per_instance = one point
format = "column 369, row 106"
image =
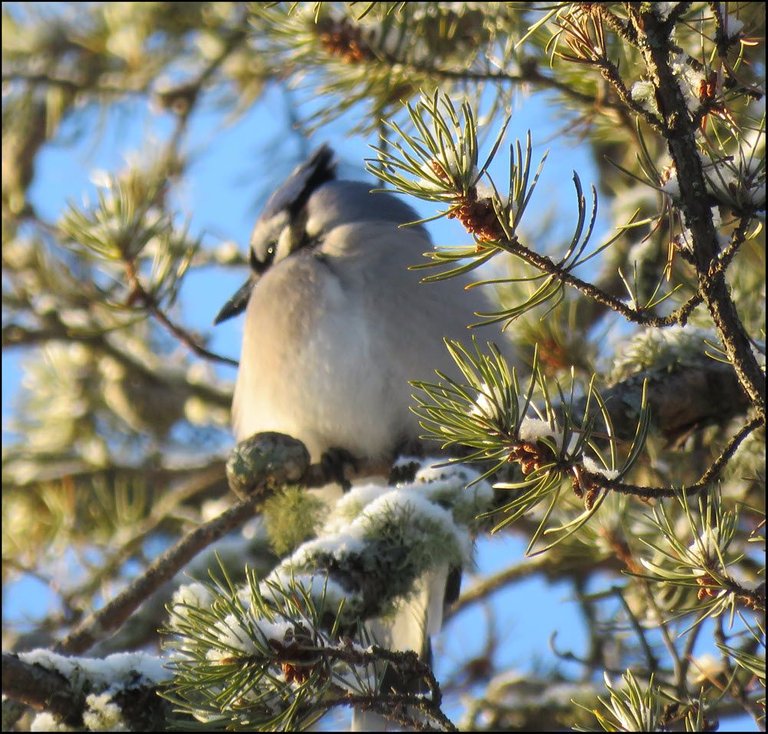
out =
column 488, row 586
column 16, row 335
column 687, row 654
column 185, row 337
column 709, row 476
column 640, row 631
column 147, row 300
column 394, row 705
column 190, row 94
column 637, row 316
column 750, row 598
column 110, row 617
column 70, row 85
column 611, row 74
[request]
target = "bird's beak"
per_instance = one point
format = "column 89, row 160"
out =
column 236, row 305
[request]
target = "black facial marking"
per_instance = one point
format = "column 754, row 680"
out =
column 260, row 266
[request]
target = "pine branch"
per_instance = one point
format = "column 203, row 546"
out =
column 679, row 133
column 138, row 706
column 42, row 689
column 636, row 316
column 16, row 335
column 393, row 705
column 589, row 481
column 166, row 506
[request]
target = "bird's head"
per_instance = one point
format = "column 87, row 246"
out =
column 308, row 205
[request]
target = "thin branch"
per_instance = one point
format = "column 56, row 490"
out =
column 640, row 631
column 611, row 74
column 71, row 85
column 723, row 41
column 551, row 567
column 710, row 475
column 16, row 335
column 687, row 654
column 161, row 511
column 110, row 617
column 184, row 336
column 739, row 236
column 529, row 75
column 391, row 706
column 663, row 624
column 113, row 614
column 750, row 598
column 394, row 705
column 637, row 316
column 677, row 12
column 623, row 30
column 190, row 93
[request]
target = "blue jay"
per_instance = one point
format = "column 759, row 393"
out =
column 335, row 327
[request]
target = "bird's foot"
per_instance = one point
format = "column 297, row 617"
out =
column 334, row 462
column 407, row 461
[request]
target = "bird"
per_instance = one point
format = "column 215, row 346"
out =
column 337, row 324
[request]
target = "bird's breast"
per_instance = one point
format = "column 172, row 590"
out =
column 308, row 366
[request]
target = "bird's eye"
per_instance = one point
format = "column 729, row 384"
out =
column 259, row 266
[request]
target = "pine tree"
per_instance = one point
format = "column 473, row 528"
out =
column 628, row 456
